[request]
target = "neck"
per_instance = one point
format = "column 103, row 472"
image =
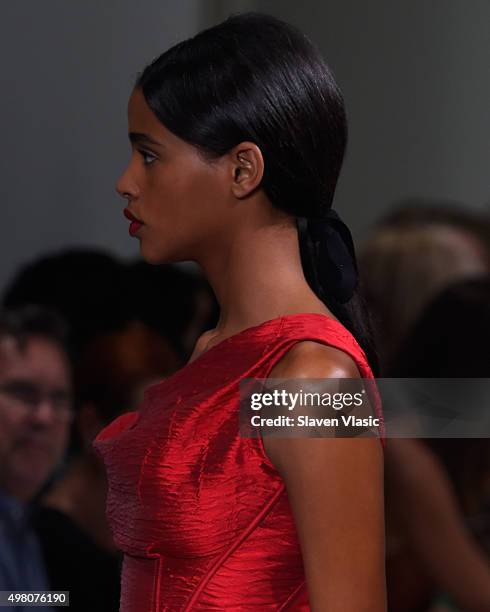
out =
column 257, row 275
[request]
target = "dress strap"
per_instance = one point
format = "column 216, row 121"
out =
column 317, row 327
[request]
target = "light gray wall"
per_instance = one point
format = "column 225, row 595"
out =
column 416, row 80
column 67, row 70
column 414, row 75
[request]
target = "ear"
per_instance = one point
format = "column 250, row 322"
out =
column 246, row 167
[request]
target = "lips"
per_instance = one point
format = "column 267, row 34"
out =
column 135, row 222
column 129, row 215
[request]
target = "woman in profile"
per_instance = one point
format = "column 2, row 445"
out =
column 237, row 138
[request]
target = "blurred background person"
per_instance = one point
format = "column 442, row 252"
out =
column 424, row 272
column 111, row 375
column 438, row 489
column 97, row 292
column 180, row 305
column 119, row 345
column 87, row 287
column 35, row 416
column 413, row 253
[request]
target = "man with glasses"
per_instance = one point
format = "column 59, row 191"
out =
column 35, row 417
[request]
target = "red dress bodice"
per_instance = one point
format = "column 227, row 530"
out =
column 201, row 513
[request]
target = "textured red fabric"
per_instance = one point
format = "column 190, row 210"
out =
column 201, row 513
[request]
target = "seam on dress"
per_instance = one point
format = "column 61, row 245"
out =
column 243, row 536
column 292, row 596
column 157, row 576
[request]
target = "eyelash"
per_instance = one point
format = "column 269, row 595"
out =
column 144, row 155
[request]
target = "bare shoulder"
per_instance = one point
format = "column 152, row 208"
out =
column 310, row 359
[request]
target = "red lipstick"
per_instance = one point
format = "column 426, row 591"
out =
column 135, row 222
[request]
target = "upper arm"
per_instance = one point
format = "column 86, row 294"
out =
column 335, row 490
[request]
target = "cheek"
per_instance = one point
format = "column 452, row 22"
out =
column 182, row 206
column 11, row 427
column 58, row 434
column 61, row 438
column 40, row 461
column 184, row 187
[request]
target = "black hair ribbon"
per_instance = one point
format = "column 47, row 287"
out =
column 333, row 251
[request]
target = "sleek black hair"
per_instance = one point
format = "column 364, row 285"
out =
column 254, row 77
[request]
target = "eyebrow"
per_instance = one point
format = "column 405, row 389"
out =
column 33, row 384
column 138, row 137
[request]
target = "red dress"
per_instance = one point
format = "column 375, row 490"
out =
column 201, row 514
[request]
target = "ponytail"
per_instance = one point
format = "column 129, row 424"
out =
column 329, row 263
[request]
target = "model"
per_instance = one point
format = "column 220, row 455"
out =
column 237, row 138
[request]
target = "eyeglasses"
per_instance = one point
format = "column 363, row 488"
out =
column 26, row 395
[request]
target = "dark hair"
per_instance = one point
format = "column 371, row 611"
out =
column 254, row 77
column 30, row 320
column 450, row 340
column 451, row 337
column 86, row 287
column 174, row 302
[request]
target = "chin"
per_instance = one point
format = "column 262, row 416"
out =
column 27, row 486
column 151, row 256
column 156, row 256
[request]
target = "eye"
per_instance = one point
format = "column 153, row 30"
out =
column 23, row 392
column 148, row 157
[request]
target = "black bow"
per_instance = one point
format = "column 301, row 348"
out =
column 334, row 253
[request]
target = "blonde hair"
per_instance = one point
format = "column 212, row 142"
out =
column 404, row 267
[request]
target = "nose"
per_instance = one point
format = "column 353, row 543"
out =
column 126, row 187
column 45, row 414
